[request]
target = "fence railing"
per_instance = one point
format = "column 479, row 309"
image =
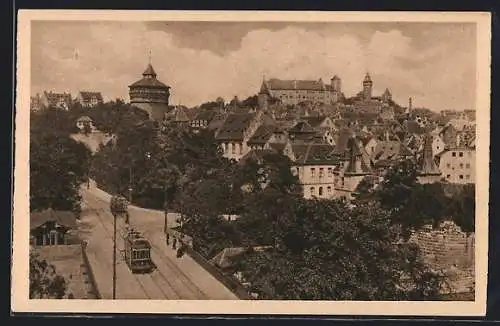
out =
column 91, row 276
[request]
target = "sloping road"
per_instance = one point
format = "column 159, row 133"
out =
column 174, row 278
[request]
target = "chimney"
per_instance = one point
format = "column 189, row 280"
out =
column 409, row 105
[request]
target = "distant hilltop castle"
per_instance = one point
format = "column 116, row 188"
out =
column 292, row 92
column 150, row 94
column 296, row 91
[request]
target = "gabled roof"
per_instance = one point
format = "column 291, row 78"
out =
column 63, row 218
column 87, row 96
column 314, row 154
column 261, row 135
column 234, row 127
column 302, row 127
column 313, row 121
column 257, row 154
column 390, row 150
column 205, row 115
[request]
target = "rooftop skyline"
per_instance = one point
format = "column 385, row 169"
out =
column 434, row 63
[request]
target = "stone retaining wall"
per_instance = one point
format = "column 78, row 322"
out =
column 449, row 249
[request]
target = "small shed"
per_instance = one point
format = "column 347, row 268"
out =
column 52, row 227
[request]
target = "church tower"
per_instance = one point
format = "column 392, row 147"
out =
column 367, row 87
column 150, row 94
column 263, row 96
column 428, row 171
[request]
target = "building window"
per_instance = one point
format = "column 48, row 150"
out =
column 312, row 191
column 321, row 173
column 233, row 148
column 447, row 176
column 461, row 165
column 330, row 172
column 342, row 181
column 454, row 154
column 467, row 165
column 461, row 154
column 320, row 191
column 461, row 177
column 329, row 190
column 241, row 148
column 313, row 172
column 467, row 176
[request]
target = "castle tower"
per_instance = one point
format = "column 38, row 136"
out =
column 428, row 172
column 367, row 87
column 336, row 84
column 150, row 95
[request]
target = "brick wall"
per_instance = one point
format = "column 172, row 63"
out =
column 449, row 249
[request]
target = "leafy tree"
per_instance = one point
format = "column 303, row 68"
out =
column 462, row 208
column 331, row 251
column 45, row 282
column 58, row 165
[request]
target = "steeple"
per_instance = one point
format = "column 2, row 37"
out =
column 367, row 87
column 428, row 171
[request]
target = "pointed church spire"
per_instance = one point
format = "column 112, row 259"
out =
column 427, row 166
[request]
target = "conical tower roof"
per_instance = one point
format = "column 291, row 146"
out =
column 149, row 71
column 427, row 164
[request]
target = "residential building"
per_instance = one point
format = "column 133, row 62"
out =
column 89, row 99
column 236, row 131
column 203, row 119
column 85, row 124
column 150, row 94
column 458, row 165
column 387, row 152
column 35, row 102
column 56, row 100
column 314, row 164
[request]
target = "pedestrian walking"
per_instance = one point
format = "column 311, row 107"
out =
column 174, row 243
column 168, row 239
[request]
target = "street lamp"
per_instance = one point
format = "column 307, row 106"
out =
column 114, row 256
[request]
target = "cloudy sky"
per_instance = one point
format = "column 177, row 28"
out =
column 435, row 63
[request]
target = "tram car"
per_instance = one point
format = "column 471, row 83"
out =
column 137, row 252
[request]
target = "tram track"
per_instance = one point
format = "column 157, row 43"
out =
column 182, row 276
column 141, row 279
column 110, row 235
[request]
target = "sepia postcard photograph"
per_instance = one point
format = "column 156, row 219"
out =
column 223, row 162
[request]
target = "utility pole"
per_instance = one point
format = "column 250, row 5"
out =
column 114, row 256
